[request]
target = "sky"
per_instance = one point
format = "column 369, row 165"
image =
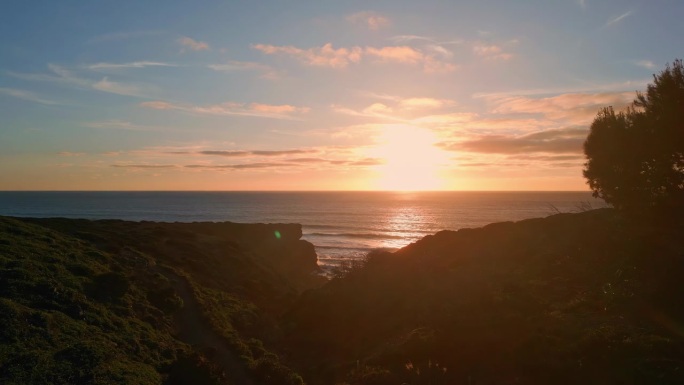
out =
column 317, row 95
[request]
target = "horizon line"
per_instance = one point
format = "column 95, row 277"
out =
column 297, row 191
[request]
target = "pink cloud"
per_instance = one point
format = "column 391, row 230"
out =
column 328, row 56
column 325, row 56
column 402, row 54
column 491, row 51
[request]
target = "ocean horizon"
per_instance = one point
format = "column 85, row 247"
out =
column 342, row 225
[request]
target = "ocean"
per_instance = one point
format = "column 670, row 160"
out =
column 341, row 225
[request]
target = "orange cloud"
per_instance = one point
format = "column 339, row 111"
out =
column 325, row 56
column 284, row 111
column 491, row 51
column 281, row 109
column 404, row 54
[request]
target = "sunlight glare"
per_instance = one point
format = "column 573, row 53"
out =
column 411, row 160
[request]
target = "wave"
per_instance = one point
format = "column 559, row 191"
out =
column 357, row 235
column 344, row 248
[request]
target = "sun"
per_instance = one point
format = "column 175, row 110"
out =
column 411, row 160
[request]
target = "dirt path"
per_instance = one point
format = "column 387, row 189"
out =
column 194, row 330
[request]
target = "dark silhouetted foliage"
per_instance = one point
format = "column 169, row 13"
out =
column 635, row 158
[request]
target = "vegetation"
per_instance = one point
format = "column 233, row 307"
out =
column 635, row 159
column 569, row 299
column 102, row 302
column 572, row 298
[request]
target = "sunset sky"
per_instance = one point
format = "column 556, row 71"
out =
column 317, row 95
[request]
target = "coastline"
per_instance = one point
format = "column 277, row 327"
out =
column 486, row 303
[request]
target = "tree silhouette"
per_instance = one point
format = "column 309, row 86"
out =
column 635, row 158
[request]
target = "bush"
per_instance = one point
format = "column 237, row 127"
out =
column 635, row 158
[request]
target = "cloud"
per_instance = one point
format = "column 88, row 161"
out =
column 397, row 109
column 402, row 54
column 584, row 89
column 371, row 20
column 646, row 64
column 567, row 140
column 308, row 160
column 277, row 109
column 617, row 19
column 281, row 152
column 136, row 64
column 491, row 51
column 234, row 66
column 26, row 95
column 254, row 152
column 144, row 166
column 325, row 56
column 424, row 103
column 192, row 44
column 158, row 105
column 117, row 36
column 224, row 153
column 284, row 111
column 242, row 166
column 65, row 76
column 69, row 153
column 576, row 108
column 106, row 85
column 339, row 58
column 582, row 4
column 119, row 125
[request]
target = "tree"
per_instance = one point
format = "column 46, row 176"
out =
column 635, row 158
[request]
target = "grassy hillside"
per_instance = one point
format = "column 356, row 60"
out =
column 145, row 303
column 572, row 298
column 569, row 299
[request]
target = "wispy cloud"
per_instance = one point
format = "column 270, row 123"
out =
column 144, row 166
column 617, row 19
column 490, row 51
column 646, row 64
column 119, row 125
column 571, row 108
column 70, row 153
column 402, row 54
column 192, row 44
column 328, row 56
column 235, row 66
column 26, row 95
column 105, row 85
column 582, row 4
column 118, row 66
column 240, row 153
column 325, row 56
column 371, row 20
column 284, row 111
column 117, row 36
column 241, row 166
column 558, row 141
column 397, row 109
column 65, row 76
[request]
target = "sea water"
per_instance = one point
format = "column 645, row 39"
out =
column 341, row 225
